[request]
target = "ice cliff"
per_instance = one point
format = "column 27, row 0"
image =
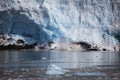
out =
column 96, row 22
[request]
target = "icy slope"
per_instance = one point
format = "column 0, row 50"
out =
column 93, row 21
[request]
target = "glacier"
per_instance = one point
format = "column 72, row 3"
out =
column 96, row 22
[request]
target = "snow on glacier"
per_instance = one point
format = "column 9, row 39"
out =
column 92, row 21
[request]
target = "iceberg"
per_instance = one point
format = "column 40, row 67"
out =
column 55, row 70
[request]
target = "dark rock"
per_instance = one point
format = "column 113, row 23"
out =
column 87, row 46
column 50, row 42
column 93, row 49
column 17, row 47
column 115, row 48
column 104, row 49
column 96, row 48
column 20, row 41
column 6, row 44
column 84, row 45
column 9, row 39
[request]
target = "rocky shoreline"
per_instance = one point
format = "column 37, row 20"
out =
column 8, row 43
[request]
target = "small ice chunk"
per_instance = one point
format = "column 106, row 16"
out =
column 43, row 58
column 55, row 70
column 89, row 74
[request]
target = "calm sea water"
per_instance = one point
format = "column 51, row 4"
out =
column 63, row 59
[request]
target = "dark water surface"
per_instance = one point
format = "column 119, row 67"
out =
column 64, row 59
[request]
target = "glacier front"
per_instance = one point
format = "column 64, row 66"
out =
column 96, row 22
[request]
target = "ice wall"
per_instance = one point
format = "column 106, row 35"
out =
column 93, row 21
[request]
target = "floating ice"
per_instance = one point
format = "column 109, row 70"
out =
column 55, row 70
column 44, row 58
column 89, row 74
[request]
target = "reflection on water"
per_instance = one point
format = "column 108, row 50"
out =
column 64, row 59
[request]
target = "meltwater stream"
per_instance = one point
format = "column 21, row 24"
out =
column 64, row 59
